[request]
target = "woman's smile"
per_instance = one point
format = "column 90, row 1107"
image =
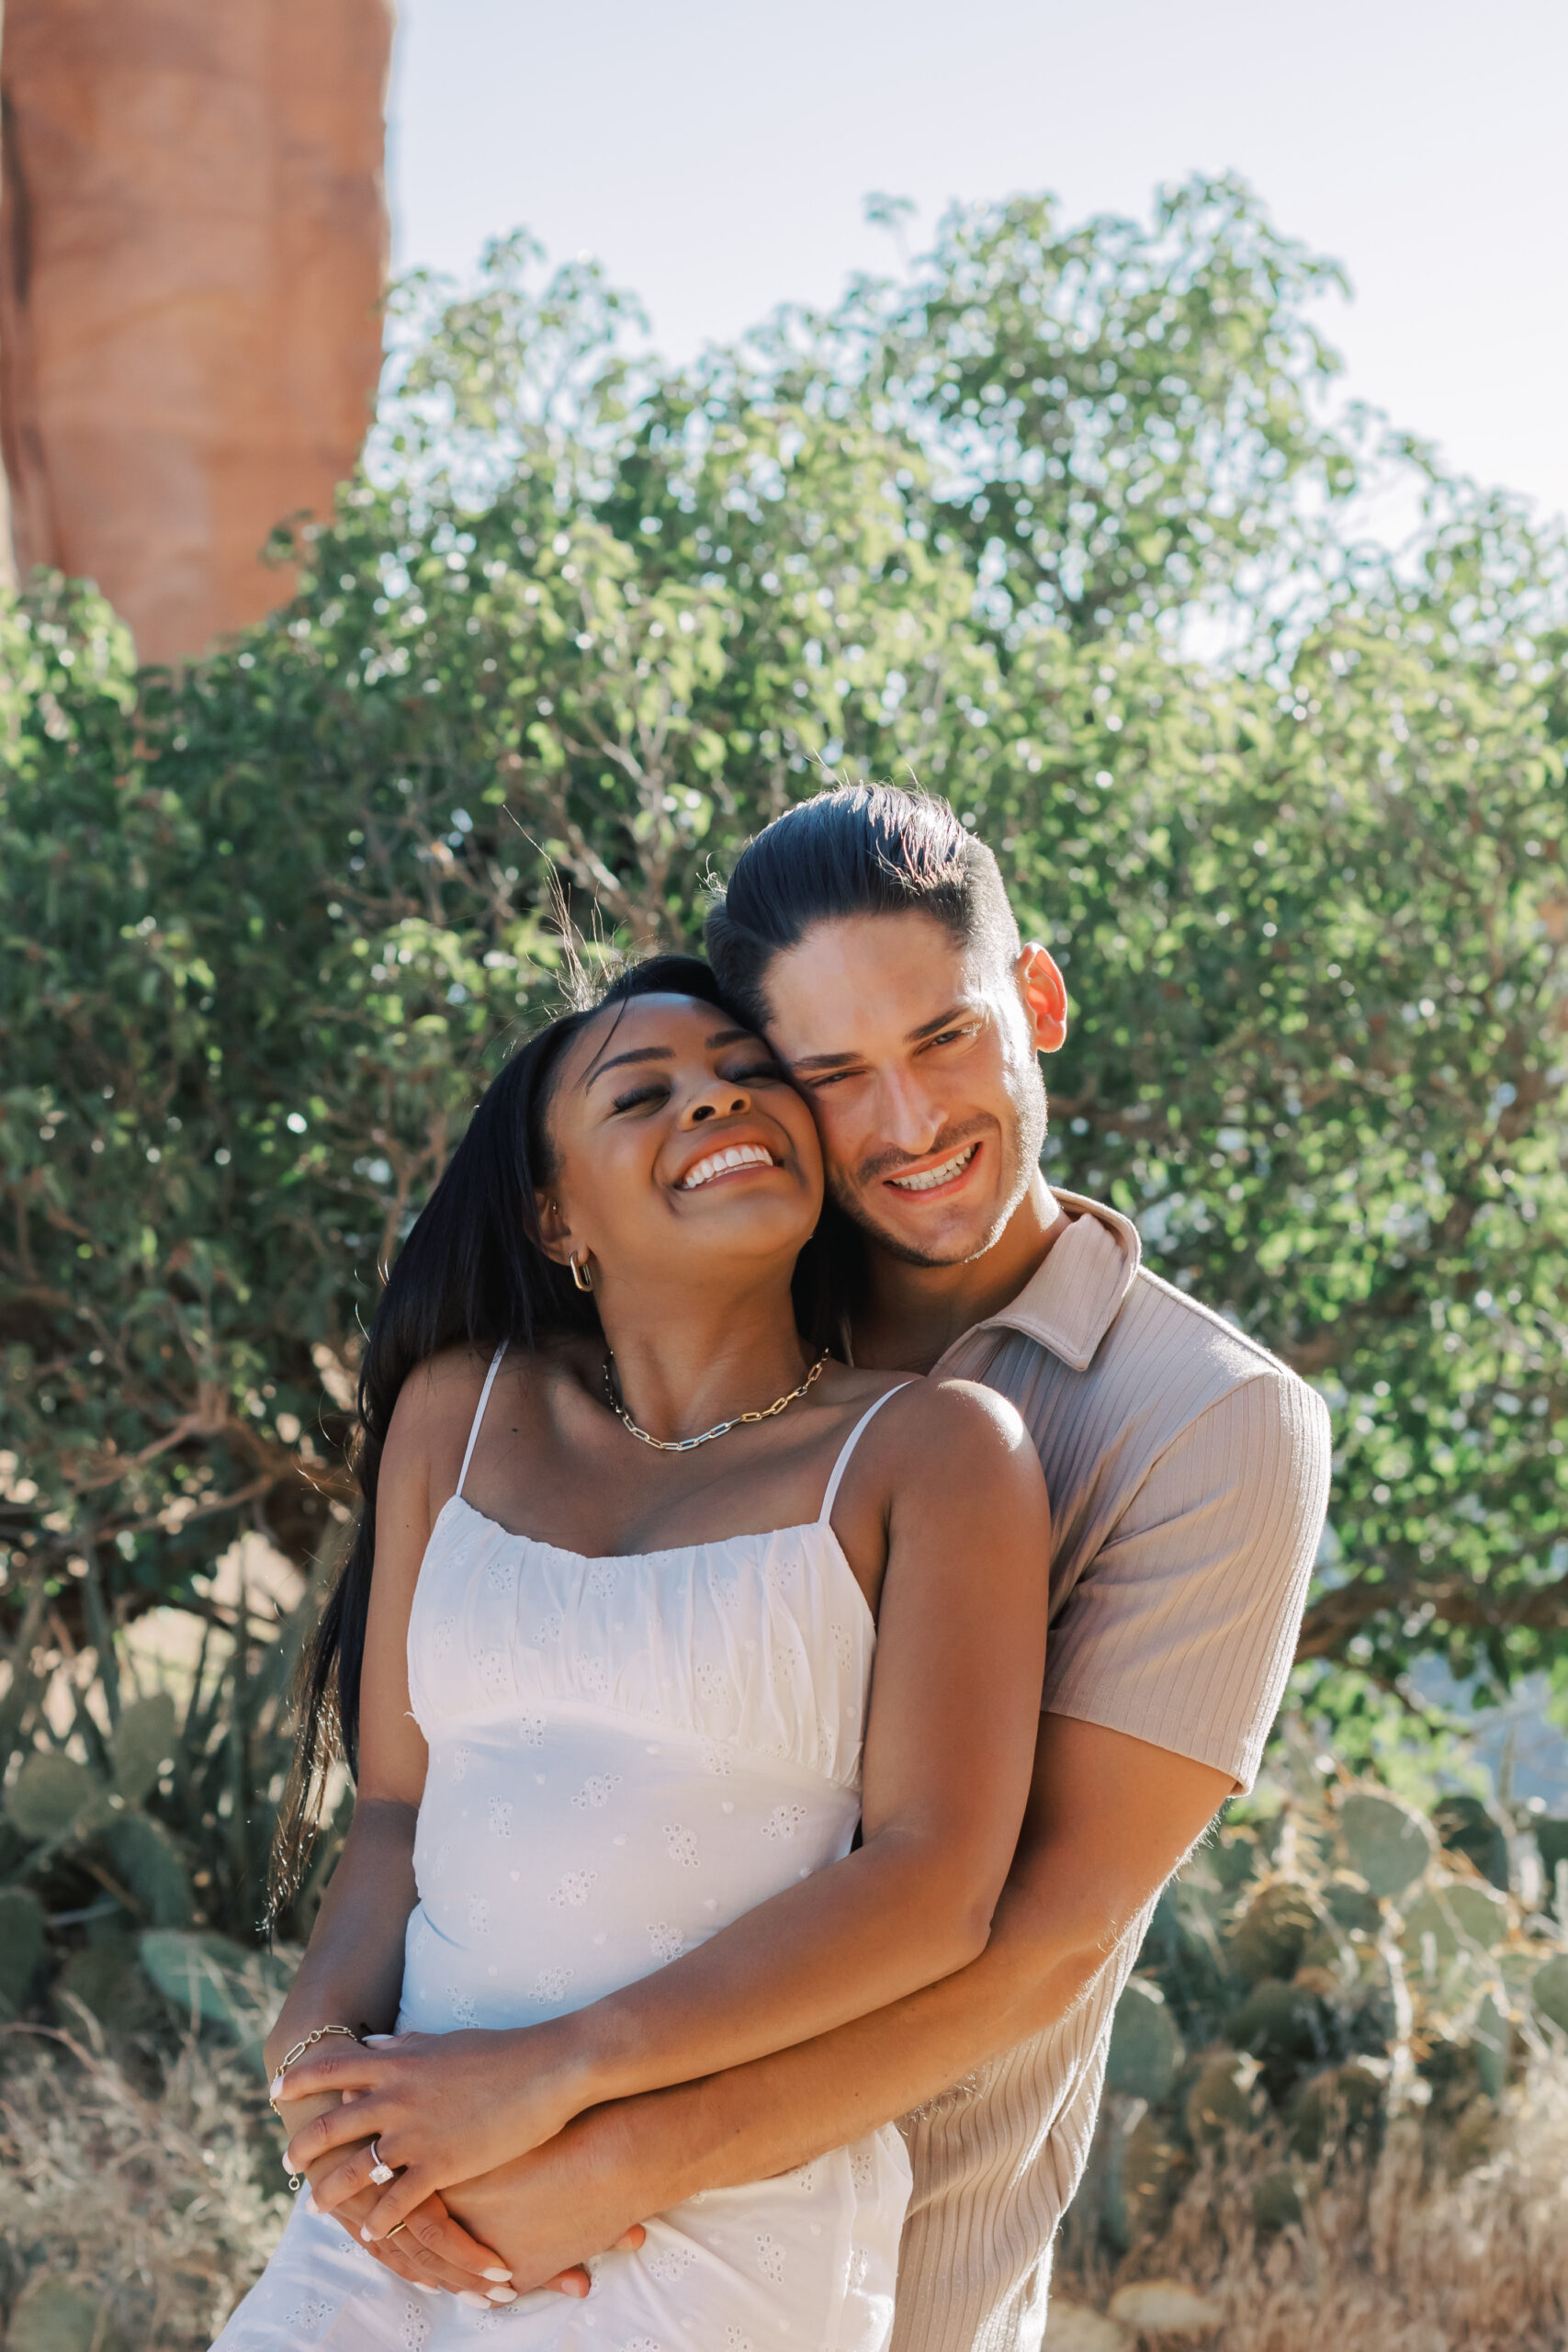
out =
column 733, row 1160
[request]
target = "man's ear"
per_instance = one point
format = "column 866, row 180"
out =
column 1044, row 996
column 555, row 1234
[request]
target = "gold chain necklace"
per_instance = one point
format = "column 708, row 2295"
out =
column 719, row 1429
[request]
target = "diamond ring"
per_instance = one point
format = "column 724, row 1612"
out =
column 381, row 2172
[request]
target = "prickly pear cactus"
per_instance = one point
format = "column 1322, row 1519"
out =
column 1340, row 1962
column 1387, row 1844
column 1145, row 2047
column 1468, row 1826
column 1273, row 1930
column 50, row 1795
column 1549, row 1991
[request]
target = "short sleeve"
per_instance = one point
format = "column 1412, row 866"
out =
column 1182, row 1628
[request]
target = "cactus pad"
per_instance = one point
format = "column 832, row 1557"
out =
column 1145, row 2048
column 1459, row 1915
column 1549, row 1991
column 1386, row 1843
column 49, row 1795
column 1274, row 1930
column 1222, row 2097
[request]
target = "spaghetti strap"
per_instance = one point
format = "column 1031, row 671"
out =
column 849, row 1443
column 479, row 1413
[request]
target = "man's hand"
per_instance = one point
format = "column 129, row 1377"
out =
column 547, row 2212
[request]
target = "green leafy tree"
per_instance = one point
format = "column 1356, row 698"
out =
column 270, row 924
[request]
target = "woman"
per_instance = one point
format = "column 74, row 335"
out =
column 606, row 1644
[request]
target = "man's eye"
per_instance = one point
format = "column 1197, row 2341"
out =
column 640, row 1097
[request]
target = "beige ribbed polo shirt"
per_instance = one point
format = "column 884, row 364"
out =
column 1188, row 1471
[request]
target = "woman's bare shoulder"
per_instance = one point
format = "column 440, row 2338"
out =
column 930, row 1402
column 443, row 1387
column 943, row 1429
column 440, row 1395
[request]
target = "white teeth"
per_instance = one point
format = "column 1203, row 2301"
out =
column 930, row 1178
column 718, row 1163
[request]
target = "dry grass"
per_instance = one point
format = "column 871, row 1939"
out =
column 162, row 2205
column 1392, row 2257
column 154, row 2189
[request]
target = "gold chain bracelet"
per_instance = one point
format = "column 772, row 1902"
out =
column 353, row 2033
column 292, row 2058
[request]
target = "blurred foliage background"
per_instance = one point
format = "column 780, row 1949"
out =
column 1051, row 522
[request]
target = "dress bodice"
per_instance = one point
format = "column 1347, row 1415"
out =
column 625, row 1752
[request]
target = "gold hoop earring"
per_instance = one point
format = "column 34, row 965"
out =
column 580, row 1273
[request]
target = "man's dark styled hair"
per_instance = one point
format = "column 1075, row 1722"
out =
column 860, row 849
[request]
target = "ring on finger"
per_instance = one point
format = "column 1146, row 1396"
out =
column 396, row 2228
column 380, row 2171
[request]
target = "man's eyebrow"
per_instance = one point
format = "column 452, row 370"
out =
column 725, row 1038
column 942, row 1020
column 913, row 1037
column 639, row 1054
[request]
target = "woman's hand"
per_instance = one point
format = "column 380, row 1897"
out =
column 432, row 2249
column 440, row 2107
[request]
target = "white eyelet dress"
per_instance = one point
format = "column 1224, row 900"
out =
column 625, row 1754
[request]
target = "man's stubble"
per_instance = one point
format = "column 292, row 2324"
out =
column 1024, row 1139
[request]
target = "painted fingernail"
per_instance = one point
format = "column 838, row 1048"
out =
column 274, row 2089
column 475, row 2302
column 503, row 2277
column 367, row 2234
column 374, row 2040
column 502, row 2295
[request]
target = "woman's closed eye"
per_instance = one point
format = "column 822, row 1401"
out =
column 657, row 1090
column 641, row 1098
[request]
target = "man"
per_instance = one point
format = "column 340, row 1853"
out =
column 869, row 937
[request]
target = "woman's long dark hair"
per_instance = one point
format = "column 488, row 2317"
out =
column 471, row 1274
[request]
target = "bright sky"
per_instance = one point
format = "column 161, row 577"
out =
column 715, row 155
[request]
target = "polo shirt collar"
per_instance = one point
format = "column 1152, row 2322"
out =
column 1075, row 1294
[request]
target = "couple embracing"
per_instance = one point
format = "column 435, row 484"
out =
column 786, row 1651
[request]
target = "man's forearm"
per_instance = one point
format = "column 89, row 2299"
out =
column 1110, row 1818
column 780, row 2111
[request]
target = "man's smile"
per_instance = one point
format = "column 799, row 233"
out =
column 947, row 1173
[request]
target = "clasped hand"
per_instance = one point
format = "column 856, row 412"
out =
column 441, row 2109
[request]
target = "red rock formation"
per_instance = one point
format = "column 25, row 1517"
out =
column 193, row 240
